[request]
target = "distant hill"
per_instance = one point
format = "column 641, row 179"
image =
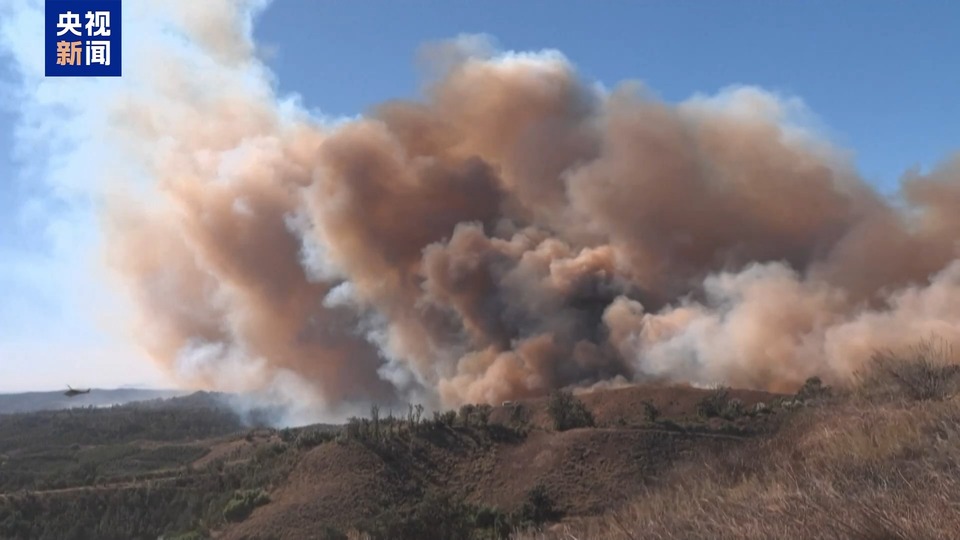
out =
column 43, row 401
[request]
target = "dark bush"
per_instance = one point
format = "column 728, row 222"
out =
column 539, row 508
column 482, row 415
column 650, row 411
column 927, row 371
column 448, row 418
column 519, row 416
column 733, row 410
column 331, row 533
column 812, row 389
column 715, row 404
column 243, row 503
column 192, row 535
column 467, row 414
column 498, row 524
column 310, row 438
column 568, row 412
column 355, row 428
column 436, row 516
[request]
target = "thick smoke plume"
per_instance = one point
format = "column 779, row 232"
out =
column 517, row 229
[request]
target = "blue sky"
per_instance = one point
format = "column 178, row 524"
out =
column 880, row 75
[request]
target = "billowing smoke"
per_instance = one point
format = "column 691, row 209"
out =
column 517, row 229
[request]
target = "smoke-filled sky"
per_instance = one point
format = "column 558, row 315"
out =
column 444, row 217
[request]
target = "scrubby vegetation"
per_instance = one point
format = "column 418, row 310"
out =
column 719, row 404
column 879, row 460
column 115, row 425
column 60, row 468
column 123, row 472
column 927, row 371
column 813, row 389
column 568, row 412
column 438, row 515
column 191, row 500
column 129, row 472
column 74, row 447
column 650, row 412
column 243, row 502
column 392, row 433
column 442, row 515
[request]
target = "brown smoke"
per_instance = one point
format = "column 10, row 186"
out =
column 519, row 230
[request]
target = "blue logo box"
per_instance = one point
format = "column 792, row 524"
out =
column 82, row 38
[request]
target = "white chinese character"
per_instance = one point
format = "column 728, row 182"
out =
column 98, row 52
column 69, row 22
column 98, row 23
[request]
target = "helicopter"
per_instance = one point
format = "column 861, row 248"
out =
column 72, row 392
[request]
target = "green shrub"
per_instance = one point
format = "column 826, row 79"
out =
column 436, row 516
column 192, row 535
column 448, row 418
column 482, row 415
column 243, row 503
column 311, row 438
column 715, row 404
column 650, row 411
column 496, row 523
column 414, row 416
column 519, row 417
column 813, row 388
column 332, row 533
column 733, row 409
column 568, row 412
column 466, row 414
column 538, row 508
column 354, row 429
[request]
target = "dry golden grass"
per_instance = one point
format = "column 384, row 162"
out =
column 882, row 462
column 928, row 371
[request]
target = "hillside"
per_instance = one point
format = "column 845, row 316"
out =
column 195, row 459
column 45, row 401
column 642, row 461
column 497, row 465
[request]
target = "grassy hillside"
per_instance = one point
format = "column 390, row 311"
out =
column 189, row 466
column 116, row 472
column 46, row 401
column 878, row 460
column 484, row 472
